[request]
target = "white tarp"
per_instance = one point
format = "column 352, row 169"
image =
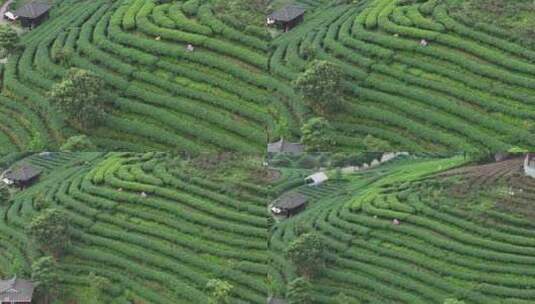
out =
column 316, row 179
column 529, row 166
column 10, row 16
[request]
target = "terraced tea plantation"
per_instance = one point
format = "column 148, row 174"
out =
column 417, row 231
column 414, row 77
column 152, row 224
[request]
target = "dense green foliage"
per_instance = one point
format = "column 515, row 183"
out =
column 80, row 96
column 50, row 230
column 9, row 39
column 321, row 84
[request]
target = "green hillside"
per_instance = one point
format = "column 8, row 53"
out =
column 463, row 232
column 471, row 87
column 156, row 226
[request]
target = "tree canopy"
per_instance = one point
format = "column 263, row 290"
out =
column 9, row 39
column 51, row 231
column 316, row 134
column 321, row 85
column 219, row 291
column 307, row 254
column 299, row 291
column 78, row 143
column 80, row 96
column 46, row 278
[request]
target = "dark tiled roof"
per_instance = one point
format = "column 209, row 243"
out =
column 16, row 290
column 290, row 200
column 33, row 9
column 287, row 13
column 283, row 146
column 22, row 173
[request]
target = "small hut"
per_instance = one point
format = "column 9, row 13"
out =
column 529, row 165
column 287, row 17
column 33, row 13
column 316, row 179
column 289, row 204
column 283, row 146
column 16, row 291
column 21, row 176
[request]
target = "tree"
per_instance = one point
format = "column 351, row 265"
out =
column 321, row 85
column 4, row 196
column 219, row 291
column 9, row 39
column 374, row 144
column 306, row 253
column 80, row 96
column 78, row 143
column 299, row 291
column 316, row 134
column 46, row 278
column 93, row 293
column 51, row 231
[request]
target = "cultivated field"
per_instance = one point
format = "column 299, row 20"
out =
column 461, row 233
column 468, row 88
column 156, row 227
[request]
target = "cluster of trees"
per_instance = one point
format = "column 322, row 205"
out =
column 307, row 254
column 9, row 39
column 81, row 97
column 323, row 89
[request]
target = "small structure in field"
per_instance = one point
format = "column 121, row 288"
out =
column 289, row 204
column 287, row 18
column 33, row 13
column 529, row 165
column 16, row 291
column 272, row 300
column 21, row 176
column 10, row 16
column 283, row 146
column 316, row 179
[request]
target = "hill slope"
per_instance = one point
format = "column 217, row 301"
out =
column 464, row 233
column 468, row 88
column 152, row 224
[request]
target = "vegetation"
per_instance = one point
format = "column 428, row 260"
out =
column 78, row 143
column 9, row 39
column 317, row 135
column 322, row 86
column 80, row 96
column 414, row 74
column 50, row 230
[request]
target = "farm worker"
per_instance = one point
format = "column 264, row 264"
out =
column 143, row 194
column 395, row 222
column 423, row 42
column 190, row 48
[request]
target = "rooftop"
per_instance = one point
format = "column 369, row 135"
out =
column 287, row 13
column 290, row 200
column 16, row 290
column 22, row 173
column 283, row 146
column 33, row 9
